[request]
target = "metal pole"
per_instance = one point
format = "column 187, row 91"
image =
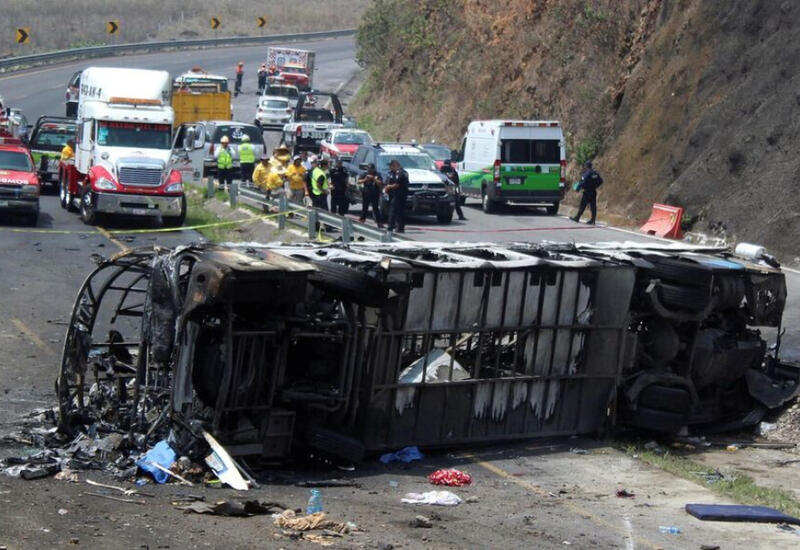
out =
column 312, row 224
column 234, row 193
column 386, row 237
column 283, row 206
column 210, row 187
column 347, row 230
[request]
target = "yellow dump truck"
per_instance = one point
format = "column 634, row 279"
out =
column 197, row 95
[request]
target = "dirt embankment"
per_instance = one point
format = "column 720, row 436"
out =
column 690, row 102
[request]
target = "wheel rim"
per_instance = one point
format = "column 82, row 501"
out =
column 62, row 193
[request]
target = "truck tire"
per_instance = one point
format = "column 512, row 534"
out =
column 488, row 204
column 665, row 398
column 552, row 210
column 176, row 221
column 445, row 216
column 681, row 271
column 690, row 298
column 348, row 283
column 88, row 214
column 655, row 420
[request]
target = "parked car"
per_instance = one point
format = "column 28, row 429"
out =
column 273, row 112
column 288, row 91
column 438, row 152
column 73, row 90
column 50, row 134
column 19, row 182
column 195, row 158
column 429, row 191
column 342, row 143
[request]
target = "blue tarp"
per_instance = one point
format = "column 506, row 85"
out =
column 406, row 454
column 163, row 455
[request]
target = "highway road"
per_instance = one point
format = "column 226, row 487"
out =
column 42, row 268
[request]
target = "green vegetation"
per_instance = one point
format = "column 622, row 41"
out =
column 588, row 149
column 198, row 214
column 741, row 488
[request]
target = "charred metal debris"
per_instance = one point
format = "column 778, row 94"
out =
column 357, row 349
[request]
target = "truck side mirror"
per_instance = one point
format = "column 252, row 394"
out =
column 189, row 138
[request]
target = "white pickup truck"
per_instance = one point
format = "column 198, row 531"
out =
column 316, row 114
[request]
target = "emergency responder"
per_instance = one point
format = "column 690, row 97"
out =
column 261, row 172
column 276, row 182
column 451, row 174
column 397, row 190
column 239, row 76
column 340, row 203
column 262, row 78
column 224, row 155
column 590, row 181
column 280, row 157
column 310, row 165
column 371, row 183
column 319, row 185
column 273, row 71
column 247, row 158
column 296, row 174
column 307, row 159
column 68, row 151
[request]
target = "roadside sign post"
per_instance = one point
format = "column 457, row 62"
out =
column 261, row 21
column 215, row 23
column 22, row 35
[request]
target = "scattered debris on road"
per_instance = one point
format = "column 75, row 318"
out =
column 439, row 498
column 450, row 477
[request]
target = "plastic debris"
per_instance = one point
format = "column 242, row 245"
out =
column 439, row 498
column 223, row 465
column 289, row 520
column 314, row 502
column 162, row 455
column 234, row 508
column 669, row 530
column 765, row 427
column 577, row 451
column 732, row 448
column 406, row 454
column 452, row 478
column 67, row 475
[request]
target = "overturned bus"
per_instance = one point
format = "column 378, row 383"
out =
column 354, row 349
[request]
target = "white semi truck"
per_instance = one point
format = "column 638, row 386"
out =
column 123, row 145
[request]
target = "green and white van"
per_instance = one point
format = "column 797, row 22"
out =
column 513, row 162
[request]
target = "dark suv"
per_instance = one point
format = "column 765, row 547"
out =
column 429, row 191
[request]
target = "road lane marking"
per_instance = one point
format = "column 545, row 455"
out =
column 111, row 238
column 574, row 508
column 34, row 339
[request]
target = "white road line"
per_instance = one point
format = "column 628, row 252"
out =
column 629, row 544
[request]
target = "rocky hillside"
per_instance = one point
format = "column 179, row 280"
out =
column 690, row 102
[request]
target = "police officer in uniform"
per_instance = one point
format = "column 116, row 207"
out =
column 451, row 174
column 590, row 181
column 340, row 204
column 397, row 190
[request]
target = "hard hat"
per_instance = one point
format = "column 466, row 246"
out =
column 241, row 63
column 225, row 139
column 264, row 156
column 245, row 138
column 296, row 157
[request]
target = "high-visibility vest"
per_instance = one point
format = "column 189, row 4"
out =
column 224, row 160
column 316, row 188
column 246, row 153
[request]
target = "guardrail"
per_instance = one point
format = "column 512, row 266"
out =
column 16, row 63
column 304, row 217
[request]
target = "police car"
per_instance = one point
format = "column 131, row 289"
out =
column 429, row 191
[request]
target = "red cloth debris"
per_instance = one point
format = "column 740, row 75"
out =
column 453, row 478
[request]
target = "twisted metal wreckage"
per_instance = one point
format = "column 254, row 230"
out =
column 352, row 349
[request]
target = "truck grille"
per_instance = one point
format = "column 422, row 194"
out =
column 129, row 175
column 9, row 192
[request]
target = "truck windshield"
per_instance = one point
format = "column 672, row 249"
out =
column 438, row 152
column 286, row 91
column 530, row 151
column 134, row 134
column 406, row 160
column 12, row 160
column 52, row 138
column 235, row 134
column 351, row 138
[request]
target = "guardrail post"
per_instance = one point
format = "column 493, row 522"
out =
column 347, row 230
column 210, row 187
column 283, row 207
column 234, row 193
column 312, row 224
